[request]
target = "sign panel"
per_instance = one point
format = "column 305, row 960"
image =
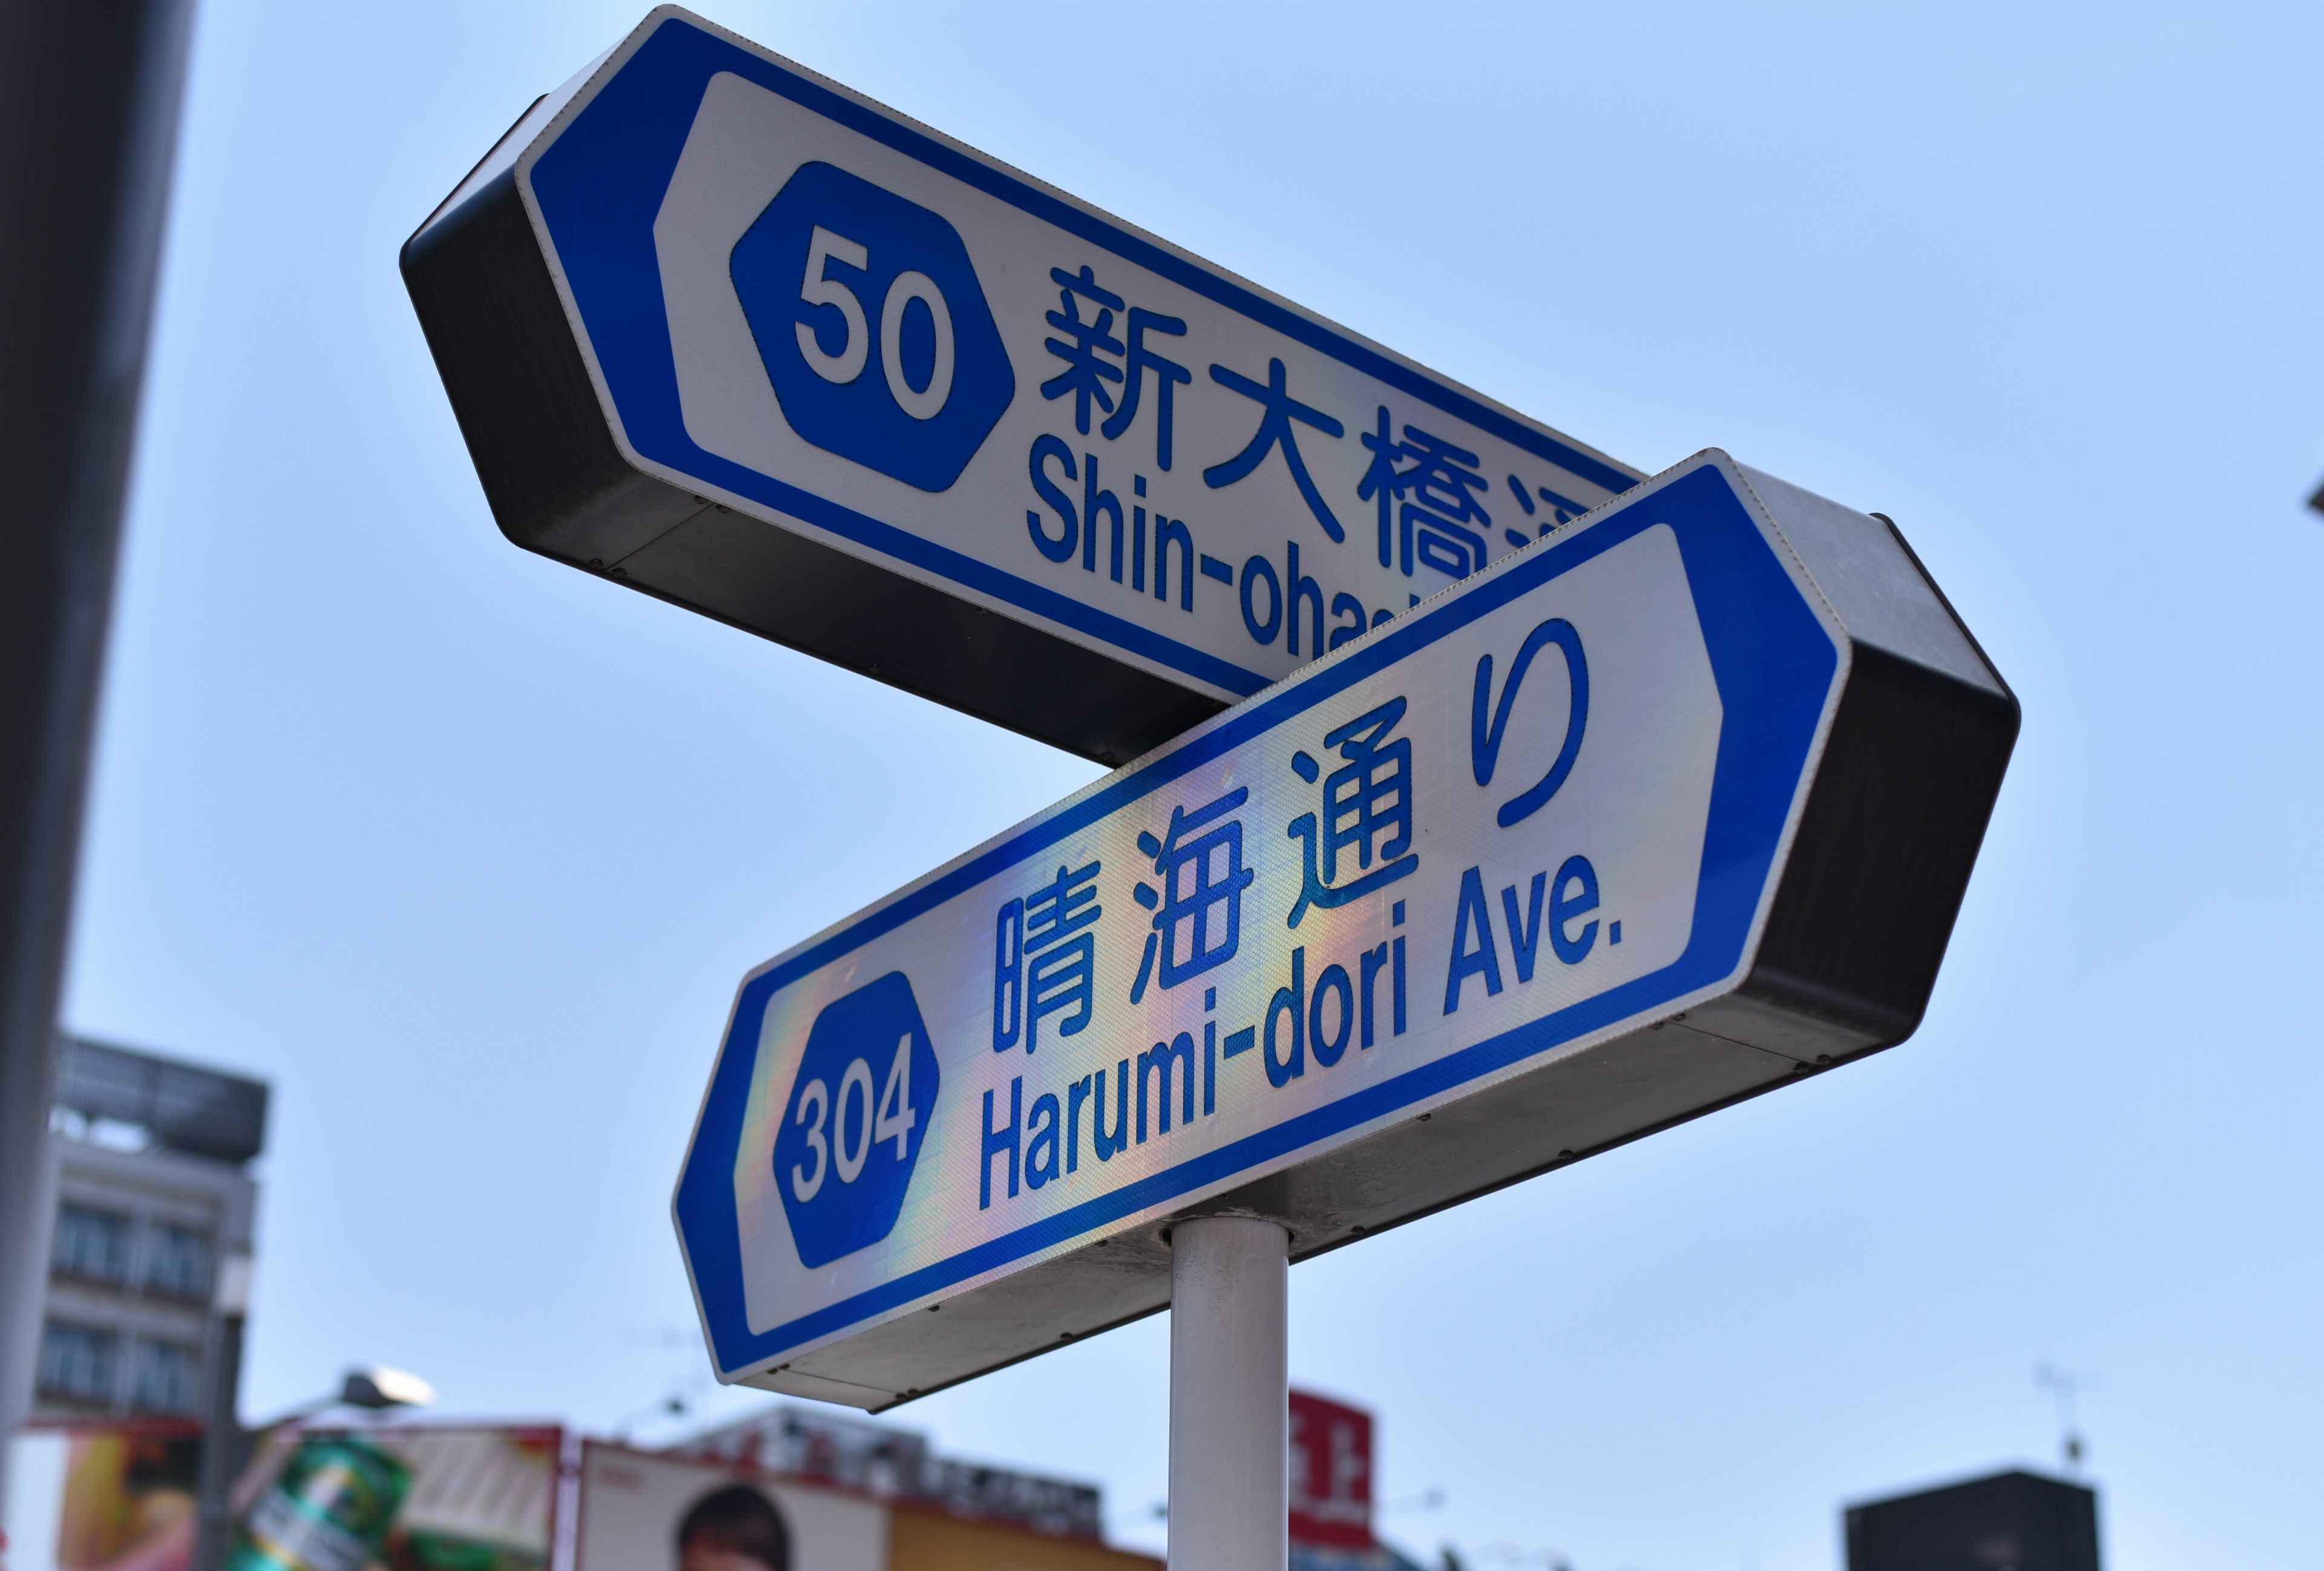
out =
column 822, row 347
column 1458, row 871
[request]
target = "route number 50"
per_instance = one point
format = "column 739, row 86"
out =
column 817, row 288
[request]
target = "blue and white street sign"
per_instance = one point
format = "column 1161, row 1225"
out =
column 1660, row 813
column 728, row 332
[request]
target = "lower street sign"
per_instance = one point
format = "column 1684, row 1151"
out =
column 1665, row 811
column 724, row 331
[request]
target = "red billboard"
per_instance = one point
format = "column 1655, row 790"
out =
column 1330, row 1474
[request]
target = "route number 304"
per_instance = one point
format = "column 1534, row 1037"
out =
column 857, row 1127
column 860, row 1108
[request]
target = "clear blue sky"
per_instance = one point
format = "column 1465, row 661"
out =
column 465, row 851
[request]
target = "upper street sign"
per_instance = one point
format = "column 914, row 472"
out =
column 1657, row 815
column 720, row 328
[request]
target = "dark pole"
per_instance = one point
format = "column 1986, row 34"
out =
column 224, row 1441
column 88, row 115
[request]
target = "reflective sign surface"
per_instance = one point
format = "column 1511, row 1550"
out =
column 1520, row 821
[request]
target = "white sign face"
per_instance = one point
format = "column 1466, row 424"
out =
column 1525, row 819
column 811, row 309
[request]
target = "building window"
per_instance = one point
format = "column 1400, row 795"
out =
column 163, row 1378
column 91, row 1243
column 178, row 1260
column 76, row 1362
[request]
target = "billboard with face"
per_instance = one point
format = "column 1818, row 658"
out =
column 652, row 1511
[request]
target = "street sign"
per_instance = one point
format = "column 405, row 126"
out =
column 1663, row 812
column 729, row 333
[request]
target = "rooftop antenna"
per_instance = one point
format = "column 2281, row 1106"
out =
column 2063, row 1386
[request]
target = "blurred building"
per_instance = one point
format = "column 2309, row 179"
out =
column 151, row 1250
column 2011, row 1522
column 896, row 1466
column 1331, row 1479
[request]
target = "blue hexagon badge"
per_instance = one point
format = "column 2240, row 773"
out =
column 859, row 1112
column 874, row 330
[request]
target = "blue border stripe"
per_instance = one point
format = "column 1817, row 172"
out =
column 1398, row 640
column 1773, row 663
column 1358, row 1108
column 1063, row 215
column 600, row 182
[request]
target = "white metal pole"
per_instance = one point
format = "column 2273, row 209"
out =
column 1230, row 1425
